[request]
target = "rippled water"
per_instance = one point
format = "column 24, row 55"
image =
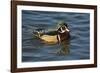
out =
column 77, row 47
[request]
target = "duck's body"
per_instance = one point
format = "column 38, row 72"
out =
column 61, row 34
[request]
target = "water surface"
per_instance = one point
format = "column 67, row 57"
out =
column 77, row 48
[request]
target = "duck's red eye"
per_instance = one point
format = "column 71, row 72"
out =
column 63, row 28
column 59, row 30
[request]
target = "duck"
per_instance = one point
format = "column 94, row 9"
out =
column 52, row 37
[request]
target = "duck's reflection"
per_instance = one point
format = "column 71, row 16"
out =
column 64, row 48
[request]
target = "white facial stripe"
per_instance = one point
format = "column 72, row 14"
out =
column 62, row 31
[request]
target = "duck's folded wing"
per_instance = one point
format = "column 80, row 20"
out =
column 49, row 38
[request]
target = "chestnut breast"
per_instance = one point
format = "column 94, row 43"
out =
column 64, row 36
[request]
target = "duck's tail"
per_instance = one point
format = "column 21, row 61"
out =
column 38, row 34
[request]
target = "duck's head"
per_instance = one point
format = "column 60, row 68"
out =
column 63, row 27
column 63, row 32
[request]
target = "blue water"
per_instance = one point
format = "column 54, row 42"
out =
column 33, row 50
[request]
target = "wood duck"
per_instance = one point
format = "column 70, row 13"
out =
column 62, row 33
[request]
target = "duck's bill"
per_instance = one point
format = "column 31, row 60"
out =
column 67, row 29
